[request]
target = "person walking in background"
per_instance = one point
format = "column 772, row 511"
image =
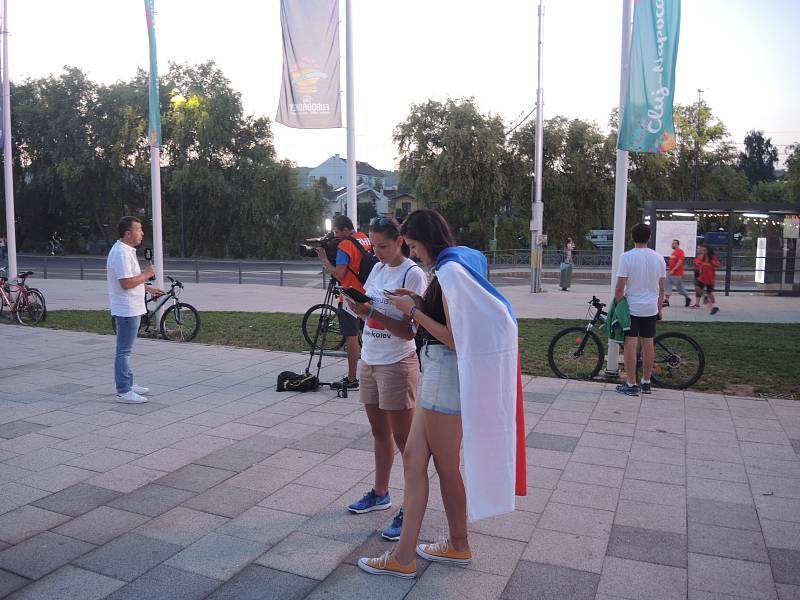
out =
column 2, row 248
column 470, row 388
column 389, row 368
column 675, row 273
column 126, row 290
column 568, row 249
column 706, row 265
column 641, row 280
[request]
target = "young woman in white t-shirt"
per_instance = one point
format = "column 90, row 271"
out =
column 389, row 368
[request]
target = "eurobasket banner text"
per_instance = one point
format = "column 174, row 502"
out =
column 310, row 96
column 647, row 125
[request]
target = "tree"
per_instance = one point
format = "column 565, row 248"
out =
column 771, row 191
column 452, row 156
column 792, row 177
column 758, row 159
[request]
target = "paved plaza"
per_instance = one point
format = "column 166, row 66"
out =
column 222, row 488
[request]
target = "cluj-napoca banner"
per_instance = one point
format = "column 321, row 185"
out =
column 310, row 96
column 647, row 123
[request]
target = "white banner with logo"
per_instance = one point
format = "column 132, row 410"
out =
column 310, row 97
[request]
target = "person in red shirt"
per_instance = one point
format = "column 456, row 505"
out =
column 348, row 263
column 675, row 273
column 705, row 276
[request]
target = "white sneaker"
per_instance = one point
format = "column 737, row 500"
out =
column 131, row 397
column 139, row 389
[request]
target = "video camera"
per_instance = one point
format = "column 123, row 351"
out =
column 329, row 241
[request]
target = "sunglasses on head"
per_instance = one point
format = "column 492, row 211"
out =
column 382, row 222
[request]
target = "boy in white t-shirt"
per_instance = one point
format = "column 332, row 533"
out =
column 641, row 279
column 389, row 368
column 126, row 289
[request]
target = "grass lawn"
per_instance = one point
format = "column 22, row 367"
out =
column 741, row 358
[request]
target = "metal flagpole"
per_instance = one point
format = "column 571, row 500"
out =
column 352, row 198
column 621, row 182
column 155, row 148
column 537, row 209
column 8, row 174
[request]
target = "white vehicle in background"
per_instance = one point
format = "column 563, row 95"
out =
column 601, row 238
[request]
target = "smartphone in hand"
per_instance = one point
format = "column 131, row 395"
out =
column 354, row 294
column 389, row 293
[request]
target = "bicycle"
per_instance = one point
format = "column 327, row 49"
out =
column 578, row 353
column 180, row 321
column 321, row 322
column 28, row 307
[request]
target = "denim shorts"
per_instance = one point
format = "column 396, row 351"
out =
column 440, row 390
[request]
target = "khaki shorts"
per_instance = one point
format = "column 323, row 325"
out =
column 391, row 387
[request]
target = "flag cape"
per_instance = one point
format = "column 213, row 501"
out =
column 486, row 340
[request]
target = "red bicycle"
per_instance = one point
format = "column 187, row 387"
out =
column 24, row 303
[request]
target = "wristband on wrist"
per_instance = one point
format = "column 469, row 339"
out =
column 411, row 319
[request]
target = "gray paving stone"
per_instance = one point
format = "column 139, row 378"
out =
column 263, row 525
column 783, row 487
column 330, row 477
column 181, row 526
column 538, row 397
column 41, row 554
column 313, row 499
column 593, row 474
column 730, row 576
column 225, row 500
column 77, row 500
column 778, row 509
column 217, row 556
column 104, row 460
column 580, row 552
column 796, row 445
column 600, row 456
column 10, row 582
column 517, row 526
column 548, row 441
column 781, row 534
column 441, row 582
column 64, row 388
column 494, row 555
column 125, row 478
column 651, row 516
column 577, row 519
column 343, row 526
column 653, row 492
column 128, row 556
column 253, row 582
column 641, row 580
column 785, row 565
column 195, row 478
column 549, row 459
column 788, row 592
column 728, row 542
column 550, row 582
column 27, row 521
column 723, row 514
column 70, row 583
column 166, row 583
column 323, row 442
column 262, row 478
column 712, row 469
column 232, row 459
column 720, row 491
column 584, row 494
column 348, row 581
column 541, row 477
column 648, row 545
column 306, row 555
column 657, row 472
column 101, row 525
column 151, row 500
column 296, row 460
column 15, row 429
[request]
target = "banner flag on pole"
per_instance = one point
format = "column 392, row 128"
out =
column 154, row 129
column 310, row 91
column 647, row 125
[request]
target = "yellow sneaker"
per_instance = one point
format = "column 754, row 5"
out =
column 442, row 552
column 386, row 565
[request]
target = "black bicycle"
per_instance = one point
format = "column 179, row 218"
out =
column 578, row 353
column 321, row 328
column 180, row 321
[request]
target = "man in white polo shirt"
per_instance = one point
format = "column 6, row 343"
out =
column 126, row 289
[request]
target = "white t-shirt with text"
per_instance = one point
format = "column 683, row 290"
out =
column 122, row 264
column 643, row 267
column 379, row 346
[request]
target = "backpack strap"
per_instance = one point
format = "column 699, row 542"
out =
column 406, row 274
column 359, row 247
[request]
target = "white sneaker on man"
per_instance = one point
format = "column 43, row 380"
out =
column 139, row 389
column 131, row 397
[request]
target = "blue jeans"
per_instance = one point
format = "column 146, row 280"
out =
column 127, row 328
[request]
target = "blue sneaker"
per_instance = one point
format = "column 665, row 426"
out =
column 392, row 533
column 645, row 387
column 371, row 501
column 628, row 390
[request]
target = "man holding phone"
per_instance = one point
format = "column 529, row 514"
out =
column 348, row 263
column 126, row 290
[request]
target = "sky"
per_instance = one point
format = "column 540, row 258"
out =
column 741, row 53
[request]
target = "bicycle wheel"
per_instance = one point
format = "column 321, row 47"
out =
column 321, row 328
column 44, row 304
column 180, row 323
column 679, row 363
column 30, row 309
column 576, row 353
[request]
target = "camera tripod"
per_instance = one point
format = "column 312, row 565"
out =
column 327, row 322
